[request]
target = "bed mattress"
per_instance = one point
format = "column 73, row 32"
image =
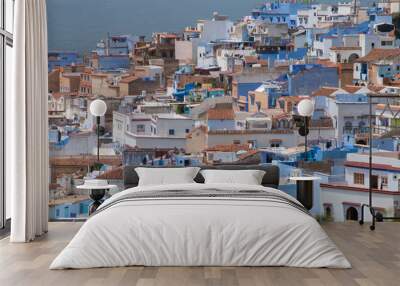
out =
column 201, row 225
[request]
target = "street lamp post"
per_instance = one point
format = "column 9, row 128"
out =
column 98, row 108
column 305, row 108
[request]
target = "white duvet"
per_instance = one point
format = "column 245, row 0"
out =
column 200, row 232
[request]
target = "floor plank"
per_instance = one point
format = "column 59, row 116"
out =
column 375, row 257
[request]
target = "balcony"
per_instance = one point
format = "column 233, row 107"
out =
column 374, row 257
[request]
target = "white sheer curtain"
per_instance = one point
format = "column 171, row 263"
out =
column 27, row 131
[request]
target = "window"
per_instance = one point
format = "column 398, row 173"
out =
column 140, row 128
column 171, row 132
column 187, row 130
column 252, row 143
column 358, row 179
column 328, row 211
column 252, row 100
column 384, row 182
column 386, row 43
column 6, row 44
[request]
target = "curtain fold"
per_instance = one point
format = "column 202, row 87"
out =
column 27, row 134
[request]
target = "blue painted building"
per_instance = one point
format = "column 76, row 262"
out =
column 116, row 45
column 62, row 59
column 70, row 210
column 388, row 144
column 276, row 12
column 111, row 63
column 378, row 15
column 304, row 79
column 221, row 124
column 298, row 54
column 242, row 90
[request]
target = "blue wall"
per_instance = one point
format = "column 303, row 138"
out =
column 62, row 59
column 307, row 81
column 221, row 124
column 389, row 144
column 285, row 55
column 79, row 209
column 244, row 88
column 113, row 62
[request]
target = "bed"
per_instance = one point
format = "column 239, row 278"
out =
column 198, row 224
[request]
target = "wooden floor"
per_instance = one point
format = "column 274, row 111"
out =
column 375, row 257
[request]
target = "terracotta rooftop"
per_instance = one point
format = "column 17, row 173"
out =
column 352, row 88
column 113, row 174
column 374, row 166
column 293, row 98
column 245, row 132
column 345, row 186
column 281, row 115
column 345, row 48
column 228, row 148
column 325, row 91
column 375, row 88
column 220, row 114
column 57, row 95
column 169, row 36
column 248, row 154
column 379, row 54
column 85, row 160
column 129, row 79
column 251, row 59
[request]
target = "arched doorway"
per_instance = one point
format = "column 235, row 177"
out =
column 328, row 212
column 351, row 214
column 353, row 57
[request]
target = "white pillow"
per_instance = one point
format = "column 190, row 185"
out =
column 246, row 177
column 166, row 176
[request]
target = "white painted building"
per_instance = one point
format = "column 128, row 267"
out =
column 205, row 56
column 218, row 28
column 225, row 56
column 257, row 138
column 343, row 200
column 299, row 39
column 323, row 14
column 186, row 51
column 157, row 131
column 344, row 54
column 376, row 41
column 349, row 114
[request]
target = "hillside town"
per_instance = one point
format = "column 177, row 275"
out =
column 225, row 91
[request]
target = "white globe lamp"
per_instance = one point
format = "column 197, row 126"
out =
column 305, row 108
column 98, row 108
